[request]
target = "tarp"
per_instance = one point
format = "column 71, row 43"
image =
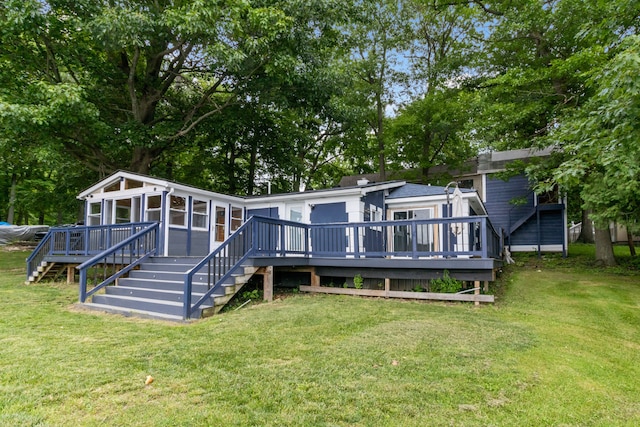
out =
column 16, row 233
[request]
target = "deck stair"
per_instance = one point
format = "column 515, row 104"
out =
column 47, row 270
column 156, row 290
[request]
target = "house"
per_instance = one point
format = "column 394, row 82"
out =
column 183, row 251
column 530, row 222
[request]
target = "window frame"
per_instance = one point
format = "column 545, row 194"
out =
column 200, row 215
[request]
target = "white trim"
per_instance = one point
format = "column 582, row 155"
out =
column 534, row 248
column 484, row 188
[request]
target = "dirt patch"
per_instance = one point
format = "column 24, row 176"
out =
column 18, row 246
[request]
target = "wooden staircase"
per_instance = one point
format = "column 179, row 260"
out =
column 156, row 290
column 51, row 271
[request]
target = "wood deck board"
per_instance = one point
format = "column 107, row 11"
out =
column 399, row 294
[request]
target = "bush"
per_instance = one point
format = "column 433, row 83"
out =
column 446, row 284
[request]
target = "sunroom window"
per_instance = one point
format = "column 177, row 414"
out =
column 220, row 223
column 95, row 211
column 178, row 211
column 200, row 214
column 154, row 208
column 236, row 218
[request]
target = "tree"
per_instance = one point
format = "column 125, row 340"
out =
column 118, row 84
column 379, row 34
column 601, row 139
column 430, row 131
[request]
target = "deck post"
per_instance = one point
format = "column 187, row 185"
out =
column 356, row 242
column 71, row 272
column 476, row 286
column 483, row 237
column 387, row 287
column 486, row 286
column 414, row 240
column 267, row 284
column 315, row 279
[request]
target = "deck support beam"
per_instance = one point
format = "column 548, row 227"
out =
column 71, row 273
column 476, row 292
column 315, row 279
column 267, row 284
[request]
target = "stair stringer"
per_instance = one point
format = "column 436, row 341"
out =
column 231, row 287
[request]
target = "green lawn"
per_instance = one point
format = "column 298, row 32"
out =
column 560, row 347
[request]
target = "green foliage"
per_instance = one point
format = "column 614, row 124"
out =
column 251, row 295
column 602, row 139
column 358, row 281
column 445, row 284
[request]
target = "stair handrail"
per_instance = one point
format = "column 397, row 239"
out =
column 41, row 250
column 142, row 245
column 245, row 231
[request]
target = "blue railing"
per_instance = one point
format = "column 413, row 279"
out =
column 269, row 237
column 81, row 241
column 442, row 237
column 104, row 268
column 219, row 265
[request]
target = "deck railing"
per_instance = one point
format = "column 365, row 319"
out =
column 428, row 238
column 104, row 268
column 269, row 237
column 81, row 241
column 219, row 265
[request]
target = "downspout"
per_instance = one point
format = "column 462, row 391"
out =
column 165, row 222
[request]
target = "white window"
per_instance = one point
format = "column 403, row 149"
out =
column 236, row 218
column 200, row 215
column 178, row 211
column 295, row 236
column 95, row 211
column 154, row 208
column 123, row 211
column 220, row 232
column 403, row 237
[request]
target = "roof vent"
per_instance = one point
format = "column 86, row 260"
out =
column 362, row 181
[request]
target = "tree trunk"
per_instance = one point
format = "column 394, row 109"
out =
column 586, row 232
column 632, row 247
column 141, row 160
column 253, row 161
column 380, row 137
column 604, row 248
column 12, row 198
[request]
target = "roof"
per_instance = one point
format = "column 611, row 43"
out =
column 114, row 177
column 417, row 190
column 337, row 191
column 484, row 163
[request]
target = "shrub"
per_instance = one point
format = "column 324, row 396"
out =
column 445, row 284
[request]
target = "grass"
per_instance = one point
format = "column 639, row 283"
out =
column 560, row 347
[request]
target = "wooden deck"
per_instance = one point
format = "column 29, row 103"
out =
column 388, row 255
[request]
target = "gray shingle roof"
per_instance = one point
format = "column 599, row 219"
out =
column 417, row 190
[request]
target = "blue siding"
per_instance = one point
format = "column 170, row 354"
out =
column 199, row 243
column 180, row 244
column 334, row 241
column 551, row 230
column 268, row 212
column 177, row 242
column 499, row 196
column 375, row 198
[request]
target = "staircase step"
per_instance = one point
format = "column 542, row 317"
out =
column 128, row 312
column 171, row 267
column 151, row 293
column 163, row 285
column 184, row 260
column 156, row 290
column 165, row 275
column 145, row 304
